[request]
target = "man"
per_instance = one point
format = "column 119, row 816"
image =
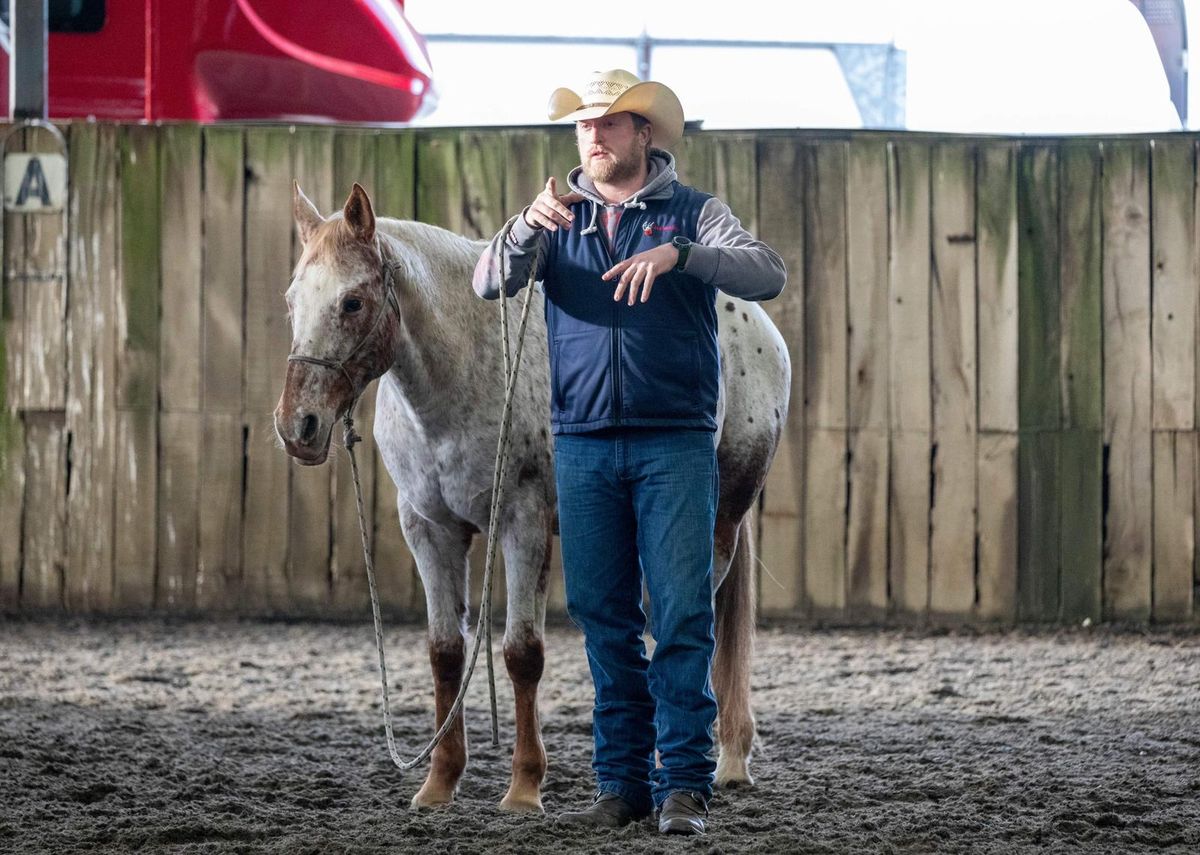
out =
column 630, row 263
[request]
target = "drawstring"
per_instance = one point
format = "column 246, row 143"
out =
column 592, row 229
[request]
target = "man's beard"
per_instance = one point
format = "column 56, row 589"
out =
column 614, row 169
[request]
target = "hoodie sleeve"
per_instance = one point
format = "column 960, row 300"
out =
column 520, row 249
column 729, row 257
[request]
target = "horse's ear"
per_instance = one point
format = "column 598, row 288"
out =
column 306, row 213
column 359, row 217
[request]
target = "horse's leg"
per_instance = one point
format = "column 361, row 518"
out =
column 527, row 563
column 441, row 555
column 734, row 548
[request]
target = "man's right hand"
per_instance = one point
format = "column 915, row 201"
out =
column 549, row 210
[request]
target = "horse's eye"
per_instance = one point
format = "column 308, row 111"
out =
column 351, row 304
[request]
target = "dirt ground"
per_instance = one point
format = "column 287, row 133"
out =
column 267, row 737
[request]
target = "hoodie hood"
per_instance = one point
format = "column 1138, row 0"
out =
column 660, row 182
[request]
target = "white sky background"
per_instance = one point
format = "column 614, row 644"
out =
column 1005, row 66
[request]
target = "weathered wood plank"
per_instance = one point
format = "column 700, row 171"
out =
column 1080, row 382
column 696, row 160
column 1039, row 524
column 867, row 290
column 91, row 420
column 867, row 526
column 1174, row 524
column 182, row 270
column 1173, row 284
column 1125, row 215
column 908, row 522
column 562, row 156
column 1081, row 288
column 952, row 361
column 223, row 271
column 1040, row 372
column 44, row 543
column 736, row 175
column 825, row 522
column 12, row 506
column 395, row 174
column 825, row 280
column 996, row 469
column 481, row 162
column 524, row 168
column 179, row 438
column 439, row 181
column 220, row 535
column 180, row 359
column 44, row 378
column 996, row 245
column 135, row 554
column 268, row 254
column 781, row 538
column 1081, row 485
column 13, row 313
column 310, row 521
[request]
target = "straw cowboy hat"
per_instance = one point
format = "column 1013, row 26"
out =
column 618, row 91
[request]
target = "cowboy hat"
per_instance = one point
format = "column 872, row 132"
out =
column 618, row 91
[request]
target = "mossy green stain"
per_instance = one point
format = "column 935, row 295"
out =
column 140, row 227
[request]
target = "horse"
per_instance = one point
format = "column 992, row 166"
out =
column 391, row 300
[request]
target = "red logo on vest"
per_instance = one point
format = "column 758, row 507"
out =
column 650, row 228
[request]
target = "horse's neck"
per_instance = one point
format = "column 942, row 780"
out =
column 433, row 286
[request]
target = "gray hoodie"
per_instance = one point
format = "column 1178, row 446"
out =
column 724, row 254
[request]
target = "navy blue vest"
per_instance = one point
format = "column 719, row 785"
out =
column 653, row 364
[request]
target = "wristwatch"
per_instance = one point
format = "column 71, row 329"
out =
column 684, row 246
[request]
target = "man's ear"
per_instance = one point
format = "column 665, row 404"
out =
column 305, row 212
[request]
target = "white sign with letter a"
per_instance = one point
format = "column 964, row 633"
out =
column 35, row 182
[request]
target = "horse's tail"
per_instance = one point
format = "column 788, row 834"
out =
column 735, row 621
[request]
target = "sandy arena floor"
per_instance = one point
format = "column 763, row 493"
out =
column 267, row 737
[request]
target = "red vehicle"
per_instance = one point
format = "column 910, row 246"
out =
column 207, row 60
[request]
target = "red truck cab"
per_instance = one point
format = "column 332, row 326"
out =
column 208, row 60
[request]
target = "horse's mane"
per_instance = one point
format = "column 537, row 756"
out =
column 434, row 260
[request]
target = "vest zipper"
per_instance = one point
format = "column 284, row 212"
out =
column 624, row 246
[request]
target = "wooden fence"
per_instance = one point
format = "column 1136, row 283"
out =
column 994, row 409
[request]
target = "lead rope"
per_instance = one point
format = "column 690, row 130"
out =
column 483, row 628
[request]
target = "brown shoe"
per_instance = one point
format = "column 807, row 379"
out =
column 607, row 810
column 682, row 813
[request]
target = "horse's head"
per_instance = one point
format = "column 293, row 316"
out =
column 344, row 318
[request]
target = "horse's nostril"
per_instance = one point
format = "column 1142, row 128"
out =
column 308, row 428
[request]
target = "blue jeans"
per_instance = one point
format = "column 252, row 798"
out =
column 631, row 502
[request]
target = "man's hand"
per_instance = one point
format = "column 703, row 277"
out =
column 549, row 210
column 638, row 272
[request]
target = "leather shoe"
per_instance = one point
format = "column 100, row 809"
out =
column 682, row 813
column 607, row 810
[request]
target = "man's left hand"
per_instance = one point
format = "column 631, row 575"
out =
column 638, row 272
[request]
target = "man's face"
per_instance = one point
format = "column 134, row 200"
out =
column 610, row 149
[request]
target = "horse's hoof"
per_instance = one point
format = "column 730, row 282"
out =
column 733, row 774
column 431, row 797
column 522, row 803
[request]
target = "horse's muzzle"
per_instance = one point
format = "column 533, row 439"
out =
column 304, row 436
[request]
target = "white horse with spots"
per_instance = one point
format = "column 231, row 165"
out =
column 392, row 300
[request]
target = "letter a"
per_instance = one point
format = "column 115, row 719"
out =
column 34, row 183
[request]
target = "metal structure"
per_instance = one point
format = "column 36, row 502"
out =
column 1168, row 24
column 875, row 72
column 27, row 97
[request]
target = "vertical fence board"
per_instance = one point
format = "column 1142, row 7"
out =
column 825, row 522
column 909, row 376
column 395, row 178
column 997, row 474
column 44, row 546
column 43, row 339
column 268, row 245
column 735, row 176
column 952, row 505
column 781, row 540
column 1080, row 382
column 91, row 422
column 1125, row 211
column 12, row 507
column 136, row 488
column 219, row 553
column 1039, row 394
column 481, row 161
column 180, row 358
column 867, row 320
column 439, row 181
column 825, row 285
column 1174, row 524
column 310, row 496
column 525, row 169
column 1173, row 284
